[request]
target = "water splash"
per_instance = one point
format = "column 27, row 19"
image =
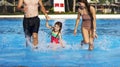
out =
column 43, row 44
column 104, row 43
column 5, row 42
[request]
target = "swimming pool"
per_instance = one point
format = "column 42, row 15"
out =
column 105, row 54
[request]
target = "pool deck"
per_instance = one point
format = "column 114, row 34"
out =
column 66, row 16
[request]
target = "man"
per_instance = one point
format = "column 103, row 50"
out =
column 31, row 20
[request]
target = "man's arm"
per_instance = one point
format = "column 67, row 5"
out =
column 43, row 9
column 20, row 3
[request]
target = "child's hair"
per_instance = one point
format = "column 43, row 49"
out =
column 60, row 25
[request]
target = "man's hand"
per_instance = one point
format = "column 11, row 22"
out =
column 47, row 17
column 25, row 9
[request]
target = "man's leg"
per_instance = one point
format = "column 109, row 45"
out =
column 35, row 39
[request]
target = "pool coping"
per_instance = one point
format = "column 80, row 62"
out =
column 66, row 16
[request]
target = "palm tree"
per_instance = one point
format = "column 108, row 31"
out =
column 67, row 2
column 94, row 2
column 102, row 1
column 4, row 3
column 74, row 4
column 14, row 6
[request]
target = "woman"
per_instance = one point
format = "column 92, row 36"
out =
column 88, row 27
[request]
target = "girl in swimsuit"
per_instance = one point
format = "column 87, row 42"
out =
column 88, row 27
column 56, row 33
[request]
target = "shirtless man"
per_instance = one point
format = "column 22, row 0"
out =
column 31, row 21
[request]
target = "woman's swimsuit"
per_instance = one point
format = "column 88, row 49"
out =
column 54, row 38
column 86, row 21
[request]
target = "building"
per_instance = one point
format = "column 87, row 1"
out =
column 117, row 1
column 106, row 7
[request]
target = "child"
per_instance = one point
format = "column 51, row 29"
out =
column 56, row 33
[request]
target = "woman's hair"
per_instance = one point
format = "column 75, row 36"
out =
column 88, row 9
column 60, row 25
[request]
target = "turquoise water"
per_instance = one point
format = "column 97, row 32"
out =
column 105, row 54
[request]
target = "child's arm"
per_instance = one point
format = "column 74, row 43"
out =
column 61, row 42
column 47, row 25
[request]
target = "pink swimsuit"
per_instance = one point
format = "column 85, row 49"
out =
column 54, row 38
column 86, row 21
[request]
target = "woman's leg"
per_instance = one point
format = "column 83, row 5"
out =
column 85, row 35
column 91, row 46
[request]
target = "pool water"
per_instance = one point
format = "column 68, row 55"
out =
column 106, row 51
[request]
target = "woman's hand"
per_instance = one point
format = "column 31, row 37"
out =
column 75, row 31
column 94, row 35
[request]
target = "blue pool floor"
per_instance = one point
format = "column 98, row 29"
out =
column 14, row 53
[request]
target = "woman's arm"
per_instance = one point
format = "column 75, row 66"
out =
column 77, row 22
column 93, row 11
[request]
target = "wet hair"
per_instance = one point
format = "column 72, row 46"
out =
column 60, row 25
column 88, row 9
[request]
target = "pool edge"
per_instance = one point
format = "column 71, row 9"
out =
column 66, row 16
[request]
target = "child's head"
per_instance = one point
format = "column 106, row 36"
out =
column 58, row 26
